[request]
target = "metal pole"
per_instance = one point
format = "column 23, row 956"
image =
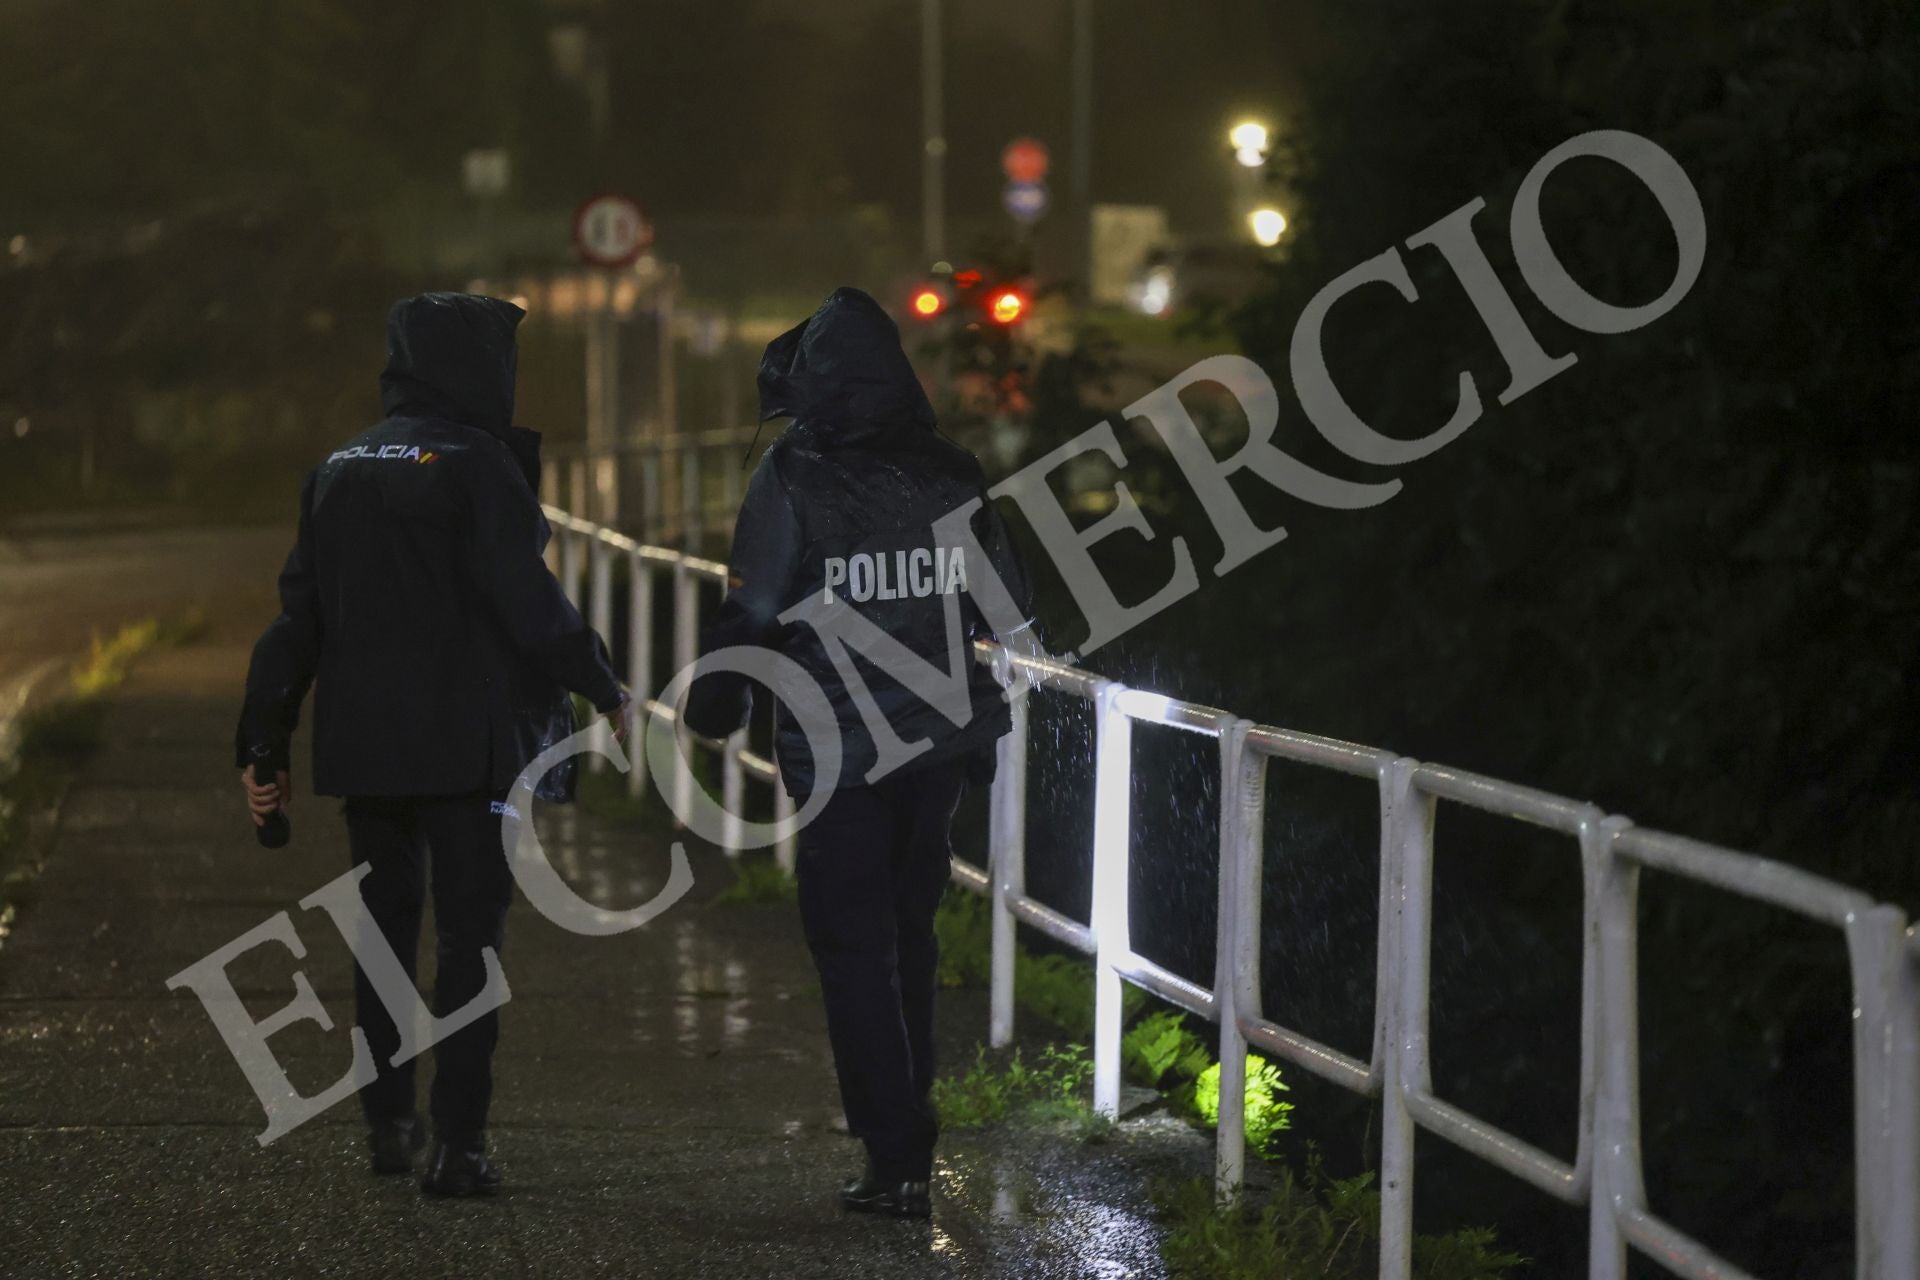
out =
column 729, row 489
column 577, row 501
column 692, row 509
column 1007, row 864
column 550, row 497
column 1617, row 1188
column 570, row 566
column 730, row 414
column 933, row 182
column 786, row 850
column 1237, row 958
column 686, row 643
column 1082, row 149
column 669, row 386
column 1410, row 838
column 1886, row 1092
column 603, row 416
column 733, row 791
column 600, row 618
column 639, row 660
column 1112, row 819
column 650, row 494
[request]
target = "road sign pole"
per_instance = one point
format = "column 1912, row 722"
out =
column 933, row 178
column 603, row 401
column 609, row 232
column 1082, row 235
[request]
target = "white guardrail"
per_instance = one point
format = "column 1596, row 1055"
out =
column 1605, row 1173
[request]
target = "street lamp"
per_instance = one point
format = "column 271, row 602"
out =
column 1268, row 225
column 1249, row 142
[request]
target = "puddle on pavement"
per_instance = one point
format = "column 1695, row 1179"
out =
column 1003, row 1207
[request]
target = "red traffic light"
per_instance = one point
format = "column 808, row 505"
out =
column 1007, row 306
column 927, row 302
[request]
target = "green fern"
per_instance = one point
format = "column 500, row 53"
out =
column 1266, row 1113
column 1160, row 1049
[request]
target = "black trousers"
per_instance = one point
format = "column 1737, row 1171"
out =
column 872, row 869
column 472, row 887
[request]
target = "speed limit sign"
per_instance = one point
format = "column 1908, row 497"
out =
column 610, row 231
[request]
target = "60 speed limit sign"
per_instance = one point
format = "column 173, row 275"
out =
column 610, row 231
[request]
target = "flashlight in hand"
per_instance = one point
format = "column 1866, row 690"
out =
column 275, row 831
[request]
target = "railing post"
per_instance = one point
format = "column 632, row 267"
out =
column 1236, row 942
column 1410, row 846
column 1387, row 944
column 1112, row 819
column 729, row 485
column 1007, row 860
column 692, row 509
column 639, row 662
column 650, row 494
column 570, row 566
column 786, row 849
column 579, row 499
column 686, row 644
column 733, row 791
column 550, row 496
column 1886, row 1092
column 1617, row 1187
column 600, row 618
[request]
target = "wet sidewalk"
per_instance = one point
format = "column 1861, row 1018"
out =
column 665, row 1102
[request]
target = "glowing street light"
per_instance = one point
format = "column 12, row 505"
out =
column 1249, row 141
column 1267, row 225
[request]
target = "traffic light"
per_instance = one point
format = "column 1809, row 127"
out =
column 1007, row 306
column 970, row 299
column 927, row 302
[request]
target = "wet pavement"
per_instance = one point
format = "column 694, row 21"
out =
column 665, row 1101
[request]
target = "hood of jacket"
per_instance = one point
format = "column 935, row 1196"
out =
column 453, row 356
column 842, row 374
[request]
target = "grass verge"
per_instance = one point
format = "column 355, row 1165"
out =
column 998, row 1088
column 1307, row 1225
column 52, row 743
column 757, row 877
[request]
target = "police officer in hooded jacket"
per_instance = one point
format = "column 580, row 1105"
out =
column 441, row 651
column 863, row 555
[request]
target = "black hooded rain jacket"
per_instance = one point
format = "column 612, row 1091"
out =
column 840, row 515
column 415, row 599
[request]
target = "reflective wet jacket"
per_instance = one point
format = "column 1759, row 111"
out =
column 415, row 599
column 841, row 541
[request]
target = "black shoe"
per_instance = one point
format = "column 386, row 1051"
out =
column 863, row 1184
column 871, row 1193
column 455, row 1171
column 394, row 1144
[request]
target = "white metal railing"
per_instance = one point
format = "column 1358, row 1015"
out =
column 1605, row 1172
column 581, row 547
